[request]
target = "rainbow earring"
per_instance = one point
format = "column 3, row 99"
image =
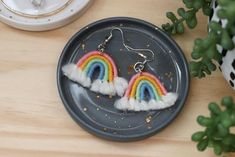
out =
column 108, row 82
column 141, row 83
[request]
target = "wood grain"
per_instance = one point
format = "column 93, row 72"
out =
column 33, row 121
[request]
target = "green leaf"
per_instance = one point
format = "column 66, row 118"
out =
column 192, row 23
column 214, row 37
column 215, row 26
column 195, row 55
column 167, row 27
column 218, row 56
column 221, row 14
column 211, row 66
column 188, row 3
column 213, row 107
column 232, row 30
column 198, row 41
column 206, row 43
column 190, row 14
column 193, row 66
column 217, row 149
column 201, row 146
column 232, row 116
column 227, row 101
column 226, row 41
column 197, row 4
column 171, row 16
column 223, row 2
column 211, row 52
column 173, row 31
column 204, row 121
column 222, row 130
column 181, row 12
column 229, row 140
column 206, row 10
column 198, row 136
column 226, row 123
column 180, row 28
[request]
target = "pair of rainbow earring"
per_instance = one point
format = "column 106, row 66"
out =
column 109, row 83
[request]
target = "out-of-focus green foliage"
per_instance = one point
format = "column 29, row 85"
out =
column 205, row 51
column 217, row 128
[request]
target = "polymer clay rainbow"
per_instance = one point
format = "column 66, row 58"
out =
column 135, row 95
column 107, row 83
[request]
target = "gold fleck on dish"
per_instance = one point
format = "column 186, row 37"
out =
column 148, row 119
column 130, row 68
column 83, row 47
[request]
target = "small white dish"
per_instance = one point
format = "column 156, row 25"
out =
column 41, row 15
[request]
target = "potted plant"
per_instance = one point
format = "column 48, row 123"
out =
column 217, row 49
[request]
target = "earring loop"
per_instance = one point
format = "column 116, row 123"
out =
column 138, row 67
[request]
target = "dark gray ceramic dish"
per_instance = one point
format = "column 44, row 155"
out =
column 95, row 112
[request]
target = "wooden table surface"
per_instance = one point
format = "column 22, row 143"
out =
column 33, row 121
